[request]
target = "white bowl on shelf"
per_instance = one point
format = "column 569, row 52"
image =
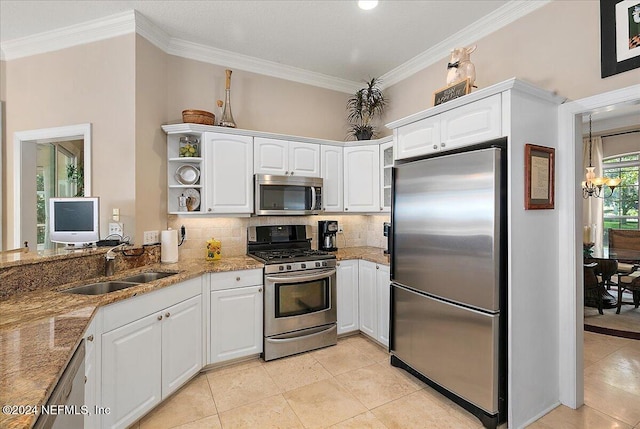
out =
column 187, row 174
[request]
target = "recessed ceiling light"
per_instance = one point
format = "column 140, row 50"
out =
column 367, row 4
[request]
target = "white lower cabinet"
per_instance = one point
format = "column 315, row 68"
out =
column 373, row 285
column 367, row 298
column 383, row 292
column 347, row 296
column 91, row 374
column 143, row 360
column 236, row 315
column 131, row 371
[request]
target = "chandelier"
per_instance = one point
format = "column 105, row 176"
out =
column 593, row 186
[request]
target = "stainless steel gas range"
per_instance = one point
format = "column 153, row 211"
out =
column 300, row 290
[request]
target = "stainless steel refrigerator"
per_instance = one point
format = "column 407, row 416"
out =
column 448, row 272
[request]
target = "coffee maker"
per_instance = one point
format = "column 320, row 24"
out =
column 327, row 235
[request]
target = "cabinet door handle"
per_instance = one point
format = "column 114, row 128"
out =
column 346, row 208
column 167, row 314
column 260, row 290
column 377, row 267
column 160, row 317
column 90, row 338
column 337, row 264
column 442, row 144
column 286, row 173
column 292, row 173
column 435, row 146
column 381, row 208
column 237, row 279
column 209, row 209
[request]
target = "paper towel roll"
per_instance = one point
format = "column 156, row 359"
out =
column 169, row 246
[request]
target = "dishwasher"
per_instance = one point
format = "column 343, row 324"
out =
column 68, row 393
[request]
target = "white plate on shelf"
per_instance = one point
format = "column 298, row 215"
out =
column 193, row 199
column 187, row 174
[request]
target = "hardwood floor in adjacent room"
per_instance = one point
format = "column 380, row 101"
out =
column 352, row 385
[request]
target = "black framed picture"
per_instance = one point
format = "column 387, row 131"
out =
column 619, row 36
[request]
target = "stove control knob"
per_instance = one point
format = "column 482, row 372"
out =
column 288, row 267
column 317, row 264
column 303, row 266
column 281, row 268
column 324, row 264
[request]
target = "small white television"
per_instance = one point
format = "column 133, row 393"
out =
column 74, row 221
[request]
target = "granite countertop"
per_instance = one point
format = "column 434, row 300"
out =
column 368, row 253
column 40, row 330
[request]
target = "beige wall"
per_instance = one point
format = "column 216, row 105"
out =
column 258, row 102
column 151, row 141
column 91, row 83
column 557, row 48
column 127, row 88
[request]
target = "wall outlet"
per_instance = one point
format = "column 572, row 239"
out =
column 116, row 228
column 150, row 237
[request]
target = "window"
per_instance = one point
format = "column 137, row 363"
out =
column 621, row 208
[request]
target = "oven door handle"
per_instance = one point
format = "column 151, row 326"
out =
column 291, row 337
column 297, row 278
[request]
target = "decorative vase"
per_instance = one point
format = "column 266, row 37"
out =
column 227, row 116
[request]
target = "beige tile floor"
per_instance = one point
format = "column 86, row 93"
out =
column 352, row 385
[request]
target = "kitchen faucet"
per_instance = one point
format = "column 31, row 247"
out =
column 110, row 263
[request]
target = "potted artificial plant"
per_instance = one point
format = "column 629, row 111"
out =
column 362, row 107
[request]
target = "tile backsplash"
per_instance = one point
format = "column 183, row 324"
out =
column 359, row 230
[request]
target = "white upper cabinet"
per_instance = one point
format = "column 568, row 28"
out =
column 362, row 179
column 304, row 159
column 286, row 158
column 419, row 138
column 386, row 165
column 229, row 173
column 471, row 123
column 333, row 179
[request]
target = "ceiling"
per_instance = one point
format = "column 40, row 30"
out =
column 335, row 39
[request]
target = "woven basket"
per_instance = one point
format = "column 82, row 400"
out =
column 198, row 117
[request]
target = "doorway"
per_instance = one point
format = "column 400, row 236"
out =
column 59, row 173
column 569, row 204
column 49, row 162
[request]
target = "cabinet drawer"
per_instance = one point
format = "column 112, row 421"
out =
column 123, row 312
column 418, row 138
column 234, row 279
column 472, row 123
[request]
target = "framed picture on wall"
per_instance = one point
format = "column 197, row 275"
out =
column 619, row 36
column 539, row 170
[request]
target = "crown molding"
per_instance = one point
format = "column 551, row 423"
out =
column 79, row 34
column 496, row 20
column 133, row 21
column 234, row 60
column 151, row 32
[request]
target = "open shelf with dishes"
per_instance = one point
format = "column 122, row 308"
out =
column 185, row 173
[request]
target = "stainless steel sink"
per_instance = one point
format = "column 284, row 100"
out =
column 148, row 276
column 101, row 287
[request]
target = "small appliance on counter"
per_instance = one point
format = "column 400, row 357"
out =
column 327, row 235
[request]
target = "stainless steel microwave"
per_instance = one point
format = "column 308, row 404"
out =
column 287, row 195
